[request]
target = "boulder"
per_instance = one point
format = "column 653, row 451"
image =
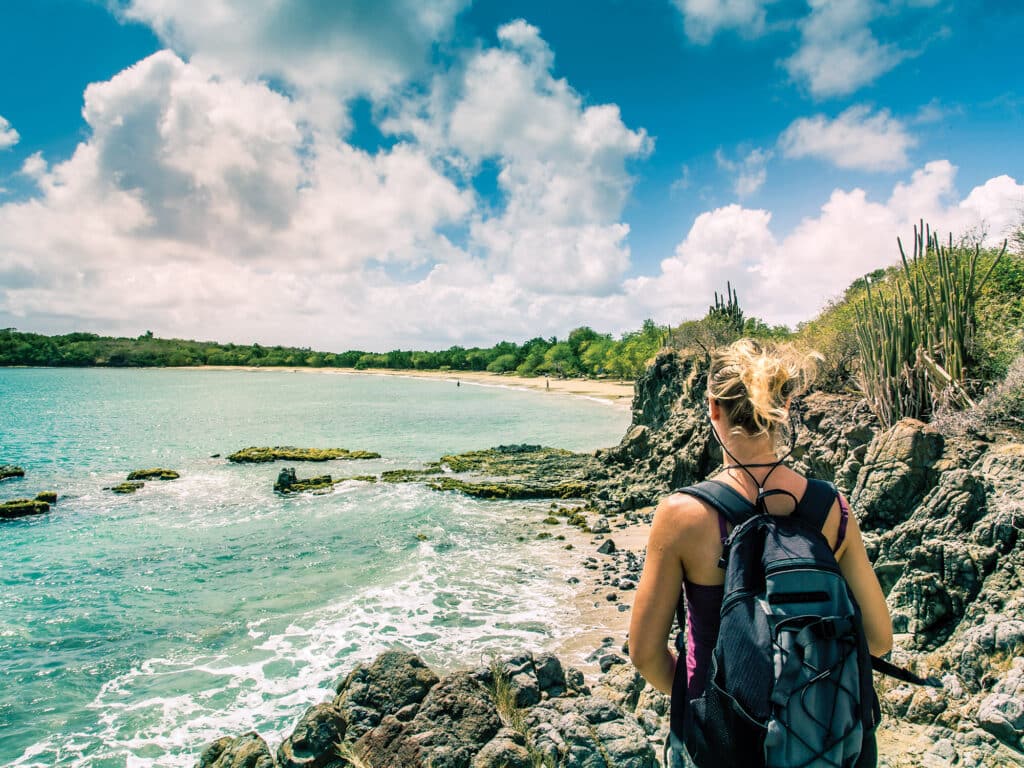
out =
column 313, row 742
column 246, row 751
column 506, row 750
column 454, row 722
column 395, row 680
column 898, row 471
column 588, row 732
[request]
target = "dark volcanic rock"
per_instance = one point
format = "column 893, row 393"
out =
column 898, row 471
column 287, row 482
column 669, row 444
column 395, row 680
column 314, row 741
column 456, row 718
column 246, row 751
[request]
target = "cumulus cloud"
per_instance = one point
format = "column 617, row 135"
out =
column 8, row 136
column 751, row 171
column 856, row 139
column 562, row 165
column 838, row 53
column 703, row 19
column 786, row 278
column 325, row 51
column 205, row 204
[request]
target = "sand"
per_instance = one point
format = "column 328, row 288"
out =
column 619, row 393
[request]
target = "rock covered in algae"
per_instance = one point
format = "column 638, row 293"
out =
column 7, row 471
column 153, row 474
column 22, row 508
column 130, row 486
column 259, row 455
column 50, row 497
column 287, row 482
column 506, row 472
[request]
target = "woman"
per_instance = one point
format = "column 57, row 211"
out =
column 749, row 391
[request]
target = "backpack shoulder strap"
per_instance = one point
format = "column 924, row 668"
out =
column 732, row 505
column 816, row 502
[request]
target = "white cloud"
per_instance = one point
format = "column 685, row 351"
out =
column 562, row 165
column 703, row 19
column 751, row 171
column 856, row 139
column 790, row 277
column 8, row 136
column 206, row 205
column 328, row 52
column 34, row 166
column 838, row 53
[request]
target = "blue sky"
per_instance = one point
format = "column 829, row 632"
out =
column 419, row 174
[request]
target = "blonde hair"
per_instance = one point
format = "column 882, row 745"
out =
column 753, row 381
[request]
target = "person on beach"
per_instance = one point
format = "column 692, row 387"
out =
column 749, row 390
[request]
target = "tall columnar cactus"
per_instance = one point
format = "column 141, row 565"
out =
column 917, row 345
column 727, row 310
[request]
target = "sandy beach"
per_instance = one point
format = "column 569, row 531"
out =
column 619, row 393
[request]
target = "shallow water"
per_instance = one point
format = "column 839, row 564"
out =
column 133, row 629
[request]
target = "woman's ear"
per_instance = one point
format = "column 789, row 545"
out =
column 714, row 409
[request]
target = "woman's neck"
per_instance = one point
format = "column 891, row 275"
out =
column 750, row 450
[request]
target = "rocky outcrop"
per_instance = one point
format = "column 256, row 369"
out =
column 507, row 472
column 259, row 455
column 287, row 482
column 9, row 471
column 524, row 711
column 155, row 473
column 898, row 470
column 669, row 444
column 246, row 751
column 22, row 508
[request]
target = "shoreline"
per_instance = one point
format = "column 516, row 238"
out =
column 614, row 392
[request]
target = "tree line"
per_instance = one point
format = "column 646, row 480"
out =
column 585, row 352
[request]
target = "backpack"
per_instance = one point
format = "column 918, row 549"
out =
column 790, row 682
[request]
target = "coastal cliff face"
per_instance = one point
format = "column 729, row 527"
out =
column 943, row 522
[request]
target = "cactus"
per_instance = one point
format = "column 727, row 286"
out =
column 727, row 310
column 917, row 345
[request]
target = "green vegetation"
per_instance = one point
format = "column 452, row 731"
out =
column 584, row 353
column 153, row 474
column 917, row 345
column 259, row 455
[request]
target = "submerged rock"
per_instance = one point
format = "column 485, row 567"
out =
column 7, row 471
column 258, row 455
column 153, row 474
column 22, row 508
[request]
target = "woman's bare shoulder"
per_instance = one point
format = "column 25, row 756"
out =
column 679, row 514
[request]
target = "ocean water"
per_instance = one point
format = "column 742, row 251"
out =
column 134, row 629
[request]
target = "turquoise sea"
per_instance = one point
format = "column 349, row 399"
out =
column 133, row 629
